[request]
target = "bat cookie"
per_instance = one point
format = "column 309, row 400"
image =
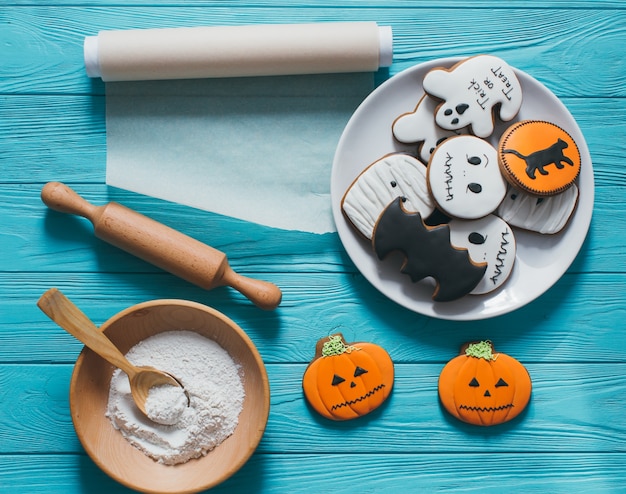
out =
column 393, row 175
column 472, row 91
column 427, row 251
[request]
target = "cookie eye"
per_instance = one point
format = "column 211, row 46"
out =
column 539, row 201
column 393, row 183
column 337, row 380
column 359, row 371
column 475, row 188
column 460, row 109
column 474, row 383
column 474, row 160
column 448, row 112
column 501, row 382
column 476, row 238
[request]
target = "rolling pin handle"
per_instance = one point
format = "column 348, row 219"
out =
column 263, row 294
column 61, row 198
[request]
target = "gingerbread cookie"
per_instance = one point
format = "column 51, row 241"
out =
column 394, row 175
column 482, row 387
column 539, row 214
column 346, row 381
column 419, row 127
column 539, row 157
column 489, row 240
column 464, row 177
column 471, row 91
column 427, row 252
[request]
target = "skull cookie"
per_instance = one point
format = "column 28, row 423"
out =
column 471, row 92
column 465, row 179
column 489, row 240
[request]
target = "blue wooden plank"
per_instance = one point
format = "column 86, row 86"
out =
column 575, row 321
column 601, row 473
column 575, row 407
column 539, row 40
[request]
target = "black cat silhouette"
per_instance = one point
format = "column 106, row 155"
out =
column 544, row 157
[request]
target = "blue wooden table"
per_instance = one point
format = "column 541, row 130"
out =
column 572, row 437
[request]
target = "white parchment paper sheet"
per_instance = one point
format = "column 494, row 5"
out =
column 258, row 149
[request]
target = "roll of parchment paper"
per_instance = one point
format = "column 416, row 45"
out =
column 238, row 51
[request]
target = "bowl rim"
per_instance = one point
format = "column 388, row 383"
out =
column 264, row 380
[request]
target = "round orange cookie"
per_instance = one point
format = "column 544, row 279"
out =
column 347, row 381
column 482, row 387
column 538, row 157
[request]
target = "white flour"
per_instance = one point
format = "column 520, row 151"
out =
column 213, row 382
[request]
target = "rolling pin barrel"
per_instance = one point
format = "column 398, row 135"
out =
column 160, row 245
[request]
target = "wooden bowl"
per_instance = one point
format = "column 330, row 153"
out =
column 89, row 391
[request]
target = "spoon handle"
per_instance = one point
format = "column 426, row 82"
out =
column 67, row 315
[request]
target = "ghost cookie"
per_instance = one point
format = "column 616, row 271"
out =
column 471, row 91
column 489, row 240
column 539, row 157
column 394, row 175
column 419, row 127
column 427, row 252
column 547, row 215
column 464, row 178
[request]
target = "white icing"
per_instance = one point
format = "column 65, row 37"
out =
column 481, row 83
column 419, row 127
column 545, row 215
column 373, row 191
column 491, row 241
column 462, row 189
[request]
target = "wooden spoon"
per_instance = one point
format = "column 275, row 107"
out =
column 67, row 315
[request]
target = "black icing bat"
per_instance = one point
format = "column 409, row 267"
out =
column 427, row 252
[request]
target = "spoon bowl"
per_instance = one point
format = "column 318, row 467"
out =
column 69, row 317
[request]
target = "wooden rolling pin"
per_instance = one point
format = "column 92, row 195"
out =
column 160, row 245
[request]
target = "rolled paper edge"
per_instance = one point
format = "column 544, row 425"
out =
column 90, row 54
column 94, row 70
column 385, row 38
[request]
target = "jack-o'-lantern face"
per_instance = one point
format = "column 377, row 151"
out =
column 347, row 381
column 484, row 390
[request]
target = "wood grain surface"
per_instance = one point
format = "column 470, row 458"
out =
column 571, row 437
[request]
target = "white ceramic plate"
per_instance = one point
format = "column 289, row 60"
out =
column 541, row 259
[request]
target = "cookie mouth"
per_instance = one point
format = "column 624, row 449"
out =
column 486, row 409
column 357, row 400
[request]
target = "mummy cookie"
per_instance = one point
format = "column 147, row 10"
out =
column 539, row 157
column 394, row 175
column 427, row 252
column 419, row 127
column 471, row 91
column 546, row 215
column 464, row 177
column 489, row 240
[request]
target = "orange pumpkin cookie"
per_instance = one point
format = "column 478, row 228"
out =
column 538, row 157
column 344, row 381
column 481, row 387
